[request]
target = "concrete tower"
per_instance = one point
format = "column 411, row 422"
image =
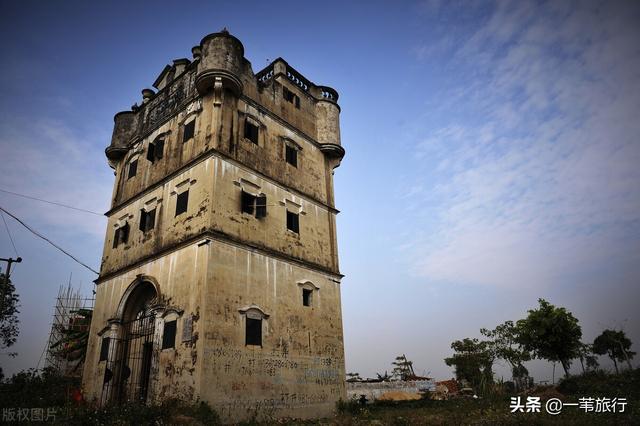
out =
column 220, row 277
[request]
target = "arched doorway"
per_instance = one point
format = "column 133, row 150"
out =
column 131, row 364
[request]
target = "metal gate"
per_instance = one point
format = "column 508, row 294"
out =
column 127, row 375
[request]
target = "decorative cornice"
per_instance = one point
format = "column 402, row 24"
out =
column 226, row 239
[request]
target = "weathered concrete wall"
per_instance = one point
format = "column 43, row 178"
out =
column 180, row 277
column 213, row 265
column 299, row 369
column 215, row 187
column 169, row 229
column 373, row 391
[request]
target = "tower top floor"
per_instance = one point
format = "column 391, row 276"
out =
column 219, row 69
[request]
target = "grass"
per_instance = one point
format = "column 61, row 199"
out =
column 32, row 390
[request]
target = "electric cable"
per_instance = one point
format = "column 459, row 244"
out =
column 9, row 233
column 36, row 233
column 51, row 202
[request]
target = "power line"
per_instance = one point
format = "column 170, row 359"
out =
column 9, row 233
column 51, row 202
column 49, row 241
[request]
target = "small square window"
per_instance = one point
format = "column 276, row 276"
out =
column 261, row 206
column 291, row 97
column 251, row 131
column 156, row 149
column 182, row 201
column 253, row 332
column 104, row 349
column 133, row 169
column 291, row 155
column 169, row 335
column 306, row 296
column 121, row 235
column 253, row 204
column 293, row 222
column 189, row 130
column 147, row 220
column 248, row 202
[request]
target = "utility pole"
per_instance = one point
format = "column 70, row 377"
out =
column 6, row 278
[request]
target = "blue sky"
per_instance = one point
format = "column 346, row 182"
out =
column 492, row 154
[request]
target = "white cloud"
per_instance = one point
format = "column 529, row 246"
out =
column 48, row 160
column 538, row 168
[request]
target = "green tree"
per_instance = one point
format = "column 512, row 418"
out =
column 506, row 347
column 473, row 362
column 8, row 313
column 403, row 368
column 616, row 345
column 586, row 355
column 550, row 333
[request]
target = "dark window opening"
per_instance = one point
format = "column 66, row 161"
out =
column 189, row 130
column 104, row 349
column 253, row 204
column 251, row 131
column 254, row 332
column 293, row 222
column 151, row 156
column 147, row 220
column 155, row 150
column 306, row 296
column 248, row 202
column 261, row 206
column 121, row 235
column 181, row 202
column 169, row 335
column 291, row 155
column 291, row 97
column 133, row 169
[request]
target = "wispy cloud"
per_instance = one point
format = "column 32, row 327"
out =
column 537, row 170
column 49, row 160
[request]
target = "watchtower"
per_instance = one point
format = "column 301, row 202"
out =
column 220, row 278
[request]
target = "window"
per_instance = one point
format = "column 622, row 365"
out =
column 169, row 335
column 181, row 202
column 147, row 220
column 248, row 202
column 307, row 294
column 155, row 150
column 251, row 204
column 189, row 130
column 293, row 222
column 261, row 206
column 251, row 131
column 133, row 168
column 104, row 349
column 121, row 235
column 291, row 97
column 291, row 155
column 253, row 332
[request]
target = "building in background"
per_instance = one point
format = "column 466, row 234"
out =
column 219, row 278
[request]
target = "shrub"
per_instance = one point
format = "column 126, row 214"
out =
column 600, row 383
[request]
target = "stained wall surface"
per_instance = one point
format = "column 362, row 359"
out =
column 221, row 273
